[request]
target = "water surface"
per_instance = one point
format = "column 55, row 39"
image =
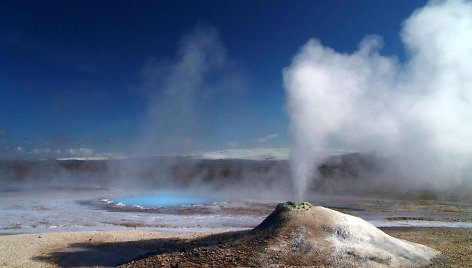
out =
column 163, row 199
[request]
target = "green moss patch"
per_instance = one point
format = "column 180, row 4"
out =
column 291, row 206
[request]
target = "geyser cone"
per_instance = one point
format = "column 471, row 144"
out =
column 301, row 235
column 318, row 235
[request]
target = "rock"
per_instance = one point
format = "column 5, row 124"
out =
column 318, row 234
column 306, row 235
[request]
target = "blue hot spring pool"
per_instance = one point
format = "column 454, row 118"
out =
column 163, row 199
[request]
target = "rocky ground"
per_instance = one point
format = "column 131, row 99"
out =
column 455, row 244
column 294, row 236
column 106, row 248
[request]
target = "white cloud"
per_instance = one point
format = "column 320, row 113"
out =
column 68, row 153
column 80, row 152
column 267, row 138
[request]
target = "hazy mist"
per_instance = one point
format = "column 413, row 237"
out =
column 414, row 117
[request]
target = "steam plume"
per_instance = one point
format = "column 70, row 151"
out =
column 416, row 115
column 179, row 90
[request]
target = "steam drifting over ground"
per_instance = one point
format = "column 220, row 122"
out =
column 179, row 92
column 414, row 116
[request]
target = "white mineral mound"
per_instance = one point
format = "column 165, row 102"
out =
column 319, row 235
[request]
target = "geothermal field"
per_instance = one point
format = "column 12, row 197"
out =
column 276, row 134
column 169, row 220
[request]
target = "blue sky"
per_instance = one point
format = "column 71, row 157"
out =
column 73, row 74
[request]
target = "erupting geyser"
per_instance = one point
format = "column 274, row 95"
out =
column 415, row 115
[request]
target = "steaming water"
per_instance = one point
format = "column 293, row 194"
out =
column 162, row 199
column 88, row 210
column 56, row 210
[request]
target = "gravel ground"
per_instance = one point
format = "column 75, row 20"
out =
column 111, row 248
column 455, row 244
column 84, row 249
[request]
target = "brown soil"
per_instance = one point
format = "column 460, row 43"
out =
column 98, row 249
column 455, row 244
column 297, row 237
